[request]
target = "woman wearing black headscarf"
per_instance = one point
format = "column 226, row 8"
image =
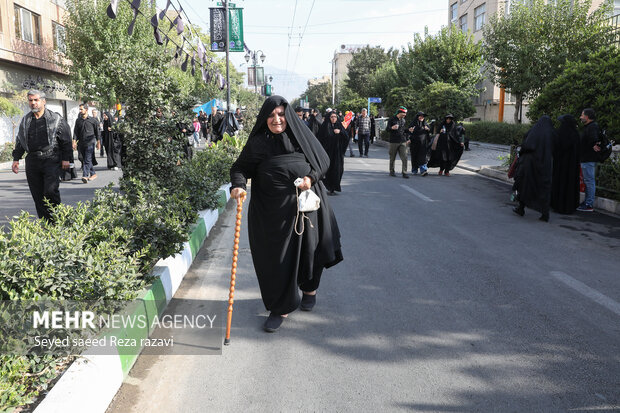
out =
column 565, row 179
column 419, row 138
column 534, row 168
column 280, row 149
column 111, row 142
column 314, row 122
column 447, row 149
column 335, row 141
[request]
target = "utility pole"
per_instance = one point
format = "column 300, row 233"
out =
column 227, row 58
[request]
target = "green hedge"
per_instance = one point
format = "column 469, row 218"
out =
column 101, row 249
column 496, row 132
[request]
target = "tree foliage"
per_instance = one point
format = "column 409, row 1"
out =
column 530, row 47
column 319, row 96
column 438, row 99
column 360, row 69
column 593, row 83
column 450, row 56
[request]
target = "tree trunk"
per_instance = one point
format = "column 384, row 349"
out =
column 518, row 104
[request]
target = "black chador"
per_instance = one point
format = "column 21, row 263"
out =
column 111, row 142
column 447, row 149
column 534, row 168
column 284, row 261
column 565, row 179
column 335, row 144
column 420, row 141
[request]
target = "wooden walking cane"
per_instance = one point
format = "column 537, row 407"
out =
column 233, row 270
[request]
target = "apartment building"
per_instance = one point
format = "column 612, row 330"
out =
column 472, row 15
column 342, row 57
column 32, row 42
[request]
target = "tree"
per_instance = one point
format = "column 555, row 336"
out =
column 530, row 47
column 438, row 99
column 450, row 56
column 360, row 69
column 593, row 83
column 319, row 96
column 9, row 109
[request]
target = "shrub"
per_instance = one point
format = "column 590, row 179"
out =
column 608, row 179
column 209, row 170
column 496, row 132
column 438, row 99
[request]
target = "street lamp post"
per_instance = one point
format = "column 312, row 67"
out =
column 254, row 56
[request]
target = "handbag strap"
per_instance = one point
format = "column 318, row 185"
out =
column 303, row 215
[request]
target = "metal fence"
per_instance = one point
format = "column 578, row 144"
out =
column 614, row 27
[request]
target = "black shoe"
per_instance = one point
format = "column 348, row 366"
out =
column 518, row 211
column 405, row 176
column 307, row 302
column 392, row 174
column 544, row 217
column 352, row 156
column 273, row 323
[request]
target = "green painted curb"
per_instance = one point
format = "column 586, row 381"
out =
column 197, row 237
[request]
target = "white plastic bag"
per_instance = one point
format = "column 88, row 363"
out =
column 307, row 201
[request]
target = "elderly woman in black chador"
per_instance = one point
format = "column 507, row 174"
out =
column 447, row 147
column 534, row 168
column 565, row 178
column 279, row 150
column 419, row 137
column 111, row 142
column 335, row 141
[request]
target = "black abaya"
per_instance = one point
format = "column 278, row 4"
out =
column 534, row 166
column 335, row 144
column 565, row 179
column 419, row 143
column 112, row 143
column 448, row 150
column 283, row 260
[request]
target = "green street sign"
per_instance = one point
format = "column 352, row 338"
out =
column 229, row 4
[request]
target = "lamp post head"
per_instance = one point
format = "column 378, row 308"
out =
column 262, row 57
column 247, row 57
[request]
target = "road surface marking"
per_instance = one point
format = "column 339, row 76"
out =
column 416, row 193
column 591, row 293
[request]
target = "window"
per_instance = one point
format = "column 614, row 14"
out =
column 479, row 13
column 463, row 23
column 454, row 12
column 59, row 34
column 616, row 7
column 27, row 25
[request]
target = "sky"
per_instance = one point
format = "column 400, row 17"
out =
column 299, row 37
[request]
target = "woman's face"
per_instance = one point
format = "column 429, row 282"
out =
column 333, row 118
column 276, row 122
column 105, row 116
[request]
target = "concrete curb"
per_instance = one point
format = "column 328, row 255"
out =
column 92, row 381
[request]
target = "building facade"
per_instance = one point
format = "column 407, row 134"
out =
column 472, row 15
column 342, row 58
column 32, row 43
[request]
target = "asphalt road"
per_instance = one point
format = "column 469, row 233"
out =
column 15, row 195
column 446, row 302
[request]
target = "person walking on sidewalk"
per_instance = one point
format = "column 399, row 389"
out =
column 46, row 137
column 534, row 169
column 588, row 156
column 398, row 141
column 419, row 141
column 286, row 258
column 363, row 133
column 86, row 136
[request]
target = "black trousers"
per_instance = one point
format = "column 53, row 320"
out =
column 363, row 142
column 43, row 175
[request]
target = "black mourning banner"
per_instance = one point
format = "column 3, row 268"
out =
column 218, row 29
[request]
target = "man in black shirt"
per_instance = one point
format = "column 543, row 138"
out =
column 86, row 136
column 588, row 156
column 46, row 136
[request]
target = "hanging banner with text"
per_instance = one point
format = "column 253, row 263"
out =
column 218, row 29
